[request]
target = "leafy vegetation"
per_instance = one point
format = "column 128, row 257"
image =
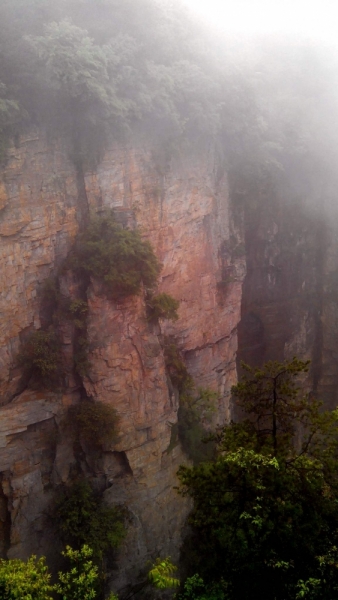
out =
column 90, row 74
column 25, row 580
column 81, row 581
column 176, row 368
column 9, row 117
column 161, row 574
column 30, row 580
column 196, row 589
column 195, row 408
column 194, row 416
column 162, row 306
column 94, row 422
column 83, row 518
column 265, row 515
column 40, row 356
column 118, row 257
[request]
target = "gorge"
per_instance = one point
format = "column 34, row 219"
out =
column 248, row 249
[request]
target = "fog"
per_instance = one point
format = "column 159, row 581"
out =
column 302, row 18
column 95, row 72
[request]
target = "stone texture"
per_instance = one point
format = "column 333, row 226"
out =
column 184, row 211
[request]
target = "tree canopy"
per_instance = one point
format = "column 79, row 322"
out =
column 96, row 71
column 265, row 516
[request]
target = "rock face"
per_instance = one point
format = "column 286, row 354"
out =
column 184, row 211
column 290, row 294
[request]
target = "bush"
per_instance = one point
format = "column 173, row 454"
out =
column 25, row 580
column 81, row 581
column 94, row 422
column 176, row 368
column 161, row 574
column 78, row 310
column 40, row 356
column 162, row 306
column 193, row 415
column 84, row 519
column 118, row 257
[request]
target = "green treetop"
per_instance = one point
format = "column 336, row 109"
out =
column 265, row 516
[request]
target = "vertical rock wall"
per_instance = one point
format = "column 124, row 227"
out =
column 184, row 211
column 290, row 293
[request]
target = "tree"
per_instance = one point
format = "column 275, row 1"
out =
column 265, row 511
column 84, row 519
column 117, row 257
column 25, row 580
column 161, row 574
column 81, row 581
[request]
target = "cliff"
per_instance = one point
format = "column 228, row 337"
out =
column 184, row 211
column 254, row 270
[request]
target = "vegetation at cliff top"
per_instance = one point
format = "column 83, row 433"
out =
column 265, row 515
column 92, row 72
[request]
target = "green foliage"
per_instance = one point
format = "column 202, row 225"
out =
column 81, row 581
column 267, row 508
column 176, row 368
column 161, row 574
column 78, row 310
column 94, row 422
column 81, row 360
column 163, row 306
column 194, row 415
column 195, row 589
column 9, row 117
column 40, row 356
column 25, row 580
column 84, row 519
column 173, row 437
column 30, row 580
column 195, row 408
column 76, row 71
column 119, row 258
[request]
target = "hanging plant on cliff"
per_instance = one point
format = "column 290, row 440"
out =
column 94, row 423
column 83, row 518
column 162, row 306
column 40, row 357
column 118, row 257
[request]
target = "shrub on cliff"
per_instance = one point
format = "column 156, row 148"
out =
column 94, row 422
column 118, row 257
column 30, row 580
column 265, row 516
column 40, row 356
column 25, row 580
column 81, row 581
column 162, row 306
column 176, row 368
column 83, row 518
column 194, row 415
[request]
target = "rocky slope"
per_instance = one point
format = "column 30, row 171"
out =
column 184, row 210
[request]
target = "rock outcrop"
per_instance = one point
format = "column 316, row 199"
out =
column 184, row 211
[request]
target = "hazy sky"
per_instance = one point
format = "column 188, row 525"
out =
column 313, row 18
